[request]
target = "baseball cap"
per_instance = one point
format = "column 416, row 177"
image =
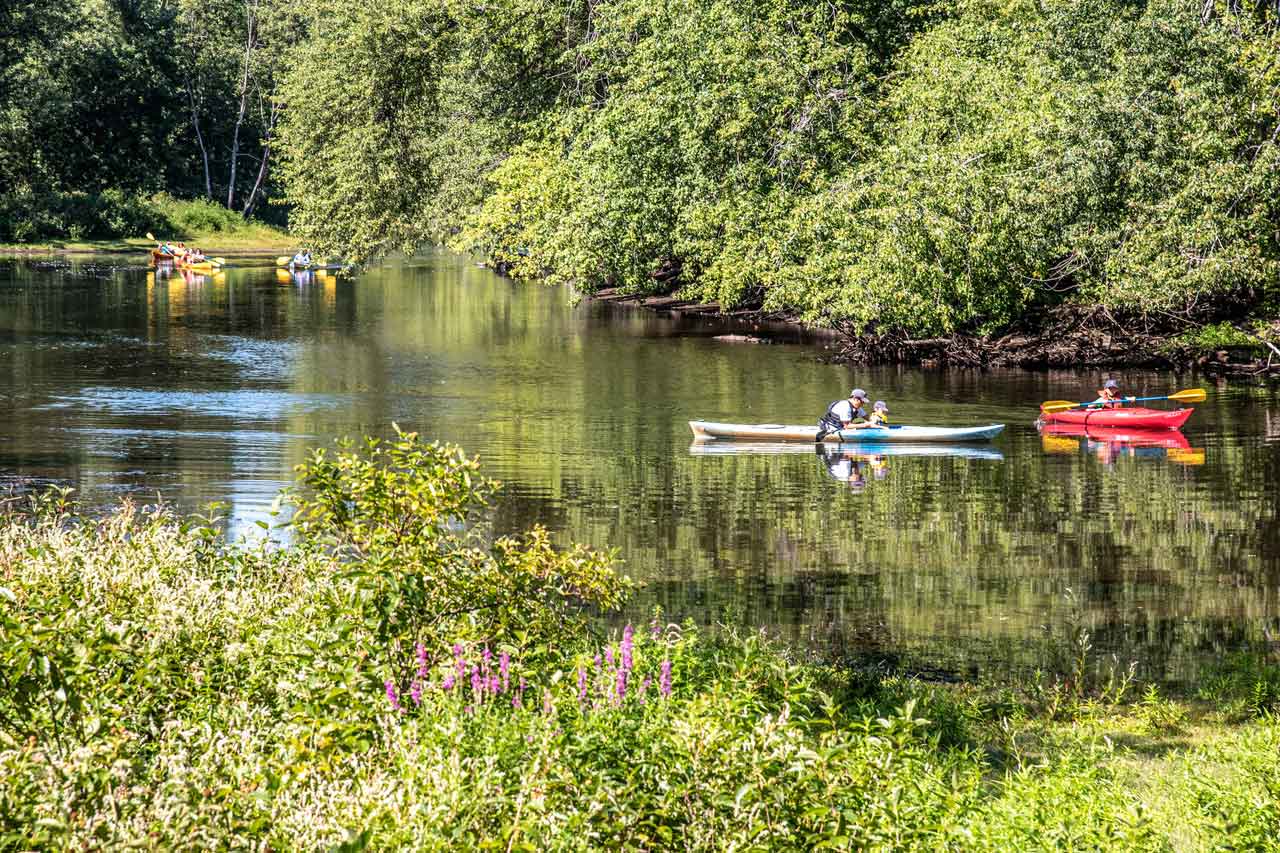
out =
column 859, row 393
column 1111, row 383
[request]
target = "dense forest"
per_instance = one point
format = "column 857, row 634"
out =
column 891, row 165
column 105, row 103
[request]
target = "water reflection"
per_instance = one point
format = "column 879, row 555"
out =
column 124, row 380
column 1109, row 444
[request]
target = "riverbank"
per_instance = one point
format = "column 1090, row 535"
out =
column 116, row 224
column 163, row 686
column 1070, row 336
column 268, row 243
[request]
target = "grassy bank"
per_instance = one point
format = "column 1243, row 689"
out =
column 116, row 222
column 389, row 680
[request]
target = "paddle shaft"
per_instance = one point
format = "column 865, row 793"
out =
column 1194, row 395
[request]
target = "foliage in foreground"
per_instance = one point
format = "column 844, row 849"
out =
column 392, row 679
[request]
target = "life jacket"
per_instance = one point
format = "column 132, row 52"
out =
column 878, row 418
column 831, row 421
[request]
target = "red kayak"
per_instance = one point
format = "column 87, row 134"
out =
column 1132, row 417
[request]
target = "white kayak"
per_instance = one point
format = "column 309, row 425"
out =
column 784, row 432
column 863, row 448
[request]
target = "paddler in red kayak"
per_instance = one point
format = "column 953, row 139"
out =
column 1109, row 396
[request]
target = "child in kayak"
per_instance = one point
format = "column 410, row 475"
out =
column 879, row 414
column 1109, row 395
column 844, row 414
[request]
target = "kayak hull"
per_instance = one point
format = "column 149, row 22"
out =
column 866, row 449
column 1134, row 417
column 707, row 430
column 204, row 267
column 158, row 257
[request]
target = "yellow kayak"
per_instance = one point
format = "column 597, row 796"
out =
column 203, row 266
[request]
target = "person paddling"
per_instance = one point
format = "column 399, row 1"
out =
column 302, row 259
column 844, row 414
column 1109, row 395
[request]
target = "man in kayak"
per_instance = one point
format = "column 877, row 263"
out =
column 844, row 414
column 302, row 259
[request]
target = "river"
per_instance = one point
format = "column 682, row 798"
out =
column 121, row 381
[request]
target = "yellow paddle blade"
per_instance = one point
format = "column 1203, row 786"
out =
column 283, row 260
column 218, row 261
column 1193, row 395
column 1057, row 406
column 150, row 236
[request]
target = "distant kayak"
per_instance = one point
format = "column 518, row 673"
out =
column 203, row 266
column 784, row 432
column 285, row 262
column 160, row 257
column 1134, row 417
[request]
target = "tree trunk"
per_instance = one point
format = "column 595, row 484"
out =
column 204, row 152
column 252, row 201
column 251, row 20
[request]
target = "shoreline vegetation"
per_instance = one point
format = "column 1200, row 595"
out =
column 1033, row 183
column 112, row 223
column 393, row 678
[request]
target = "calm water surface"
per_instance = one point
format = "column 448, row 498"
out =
column 127, row 382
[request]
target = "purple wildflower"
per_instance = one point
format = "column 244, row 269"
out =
column 392, row 696
column 627, row 646
column 516, row 701
column 448, row 682
column 420, row 652
column 597, row 663
column 477, row 681
column 665, row 683
column 495, row 685
column 655, row 630
column 608, row 654
column 620, row 689
column 487, row 656
column 504, row 667
column 415, row 692
column 644, row 686
column 582, row 685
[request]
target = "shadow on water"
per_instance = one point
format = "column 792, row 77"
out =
column 128, row 381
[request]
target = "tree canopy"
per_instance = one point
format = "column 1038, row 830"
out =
column 910, row 166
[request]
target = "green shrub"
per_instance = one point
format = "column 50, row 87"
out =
column 198, row 216
column 27, row 217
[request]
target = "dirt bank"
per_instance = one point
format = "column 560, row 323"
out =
column 1067, row 336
